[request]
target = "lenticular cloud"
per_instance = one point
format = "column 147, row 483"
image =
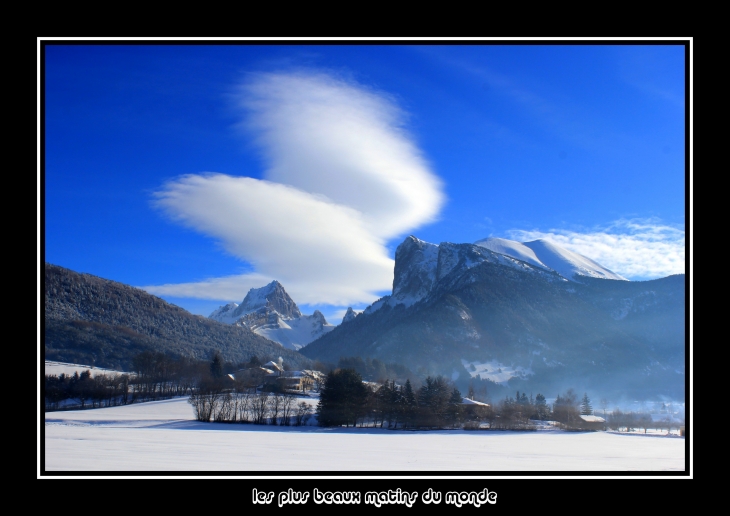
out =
column 342, row 178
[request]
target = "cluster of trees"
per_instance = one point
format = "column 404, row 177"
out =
column 631, row 421
column 213, row 402
column 346, row 400
column 155, row 375
column 87, row 391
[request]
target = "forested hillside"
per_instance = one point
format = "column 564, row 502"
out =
column 91, row 320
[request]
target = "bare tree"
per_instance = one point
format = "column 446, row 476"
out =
column 226, row 410
column 275, row 405
column 260, row 408
column 205, row 400
column 287, row 406
column 245, row 401
column 303, row 413
column 604, row 405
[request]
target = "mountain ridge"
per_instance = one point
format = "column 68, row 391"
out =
column 269, row 311
column 89, row 319
column 471, row 307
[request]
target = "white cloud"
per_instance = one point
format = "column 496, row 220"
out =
column 637, row 249
column 326, row 136
column 228, row 287
column 343, row 177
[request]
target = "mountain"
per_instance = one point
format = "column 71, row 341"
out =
column 91, row 320
column 349, row 315
column 518, row 323
column 546, row 255
column 270, row 312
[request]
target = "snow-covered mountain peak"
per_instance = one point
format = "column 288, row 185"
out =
column 415, row 270
column 569, row 264
column 544, row 254
column 271, row 313
column 273, row 296
column 349, row 315
column 511, row 248
column 224, row 312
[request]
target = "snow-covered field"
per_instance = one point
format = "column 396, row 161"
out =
column 59, row 368
column 163, row 436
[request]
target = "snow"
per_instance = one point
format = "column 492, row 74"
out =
column 467, row 401
column 569, row 264
column 59, row 368
column 295, row 333
column 495, row 371
column 163, row 436
column 513, row 249
column 257, row 298
column 225, row 314
column 547, row 255
column 292, row 332
column 377, row 305
column 592, row 419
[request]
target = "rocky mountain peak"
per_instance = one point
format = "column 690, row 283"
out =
column 319, row 317
column 349, row 315
column 415, row 267
column 273, row 296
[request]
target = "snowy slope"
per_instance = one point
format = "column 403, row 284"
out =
column 59, row 368
column 513, row 249
column 224, row 313
column 547, row 255
column 270, row 312
column 295, row 333
column 569, row 264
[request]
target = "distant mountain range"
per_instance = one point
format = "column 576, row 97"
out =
column 270, row 312
column 529, row 317
column 91, row 320
column 511, row 316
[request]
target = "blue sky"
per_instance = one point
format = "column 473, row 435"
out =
column 199, row 171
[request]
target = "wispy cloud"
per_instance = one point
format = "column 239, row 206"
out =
column 343, row 177
column 556, row 115
column 653, row 70
column 638, row 249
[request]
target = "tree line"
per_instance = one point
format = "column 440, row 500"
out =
column 631, row 421
column 154, row 376
column 345, row 400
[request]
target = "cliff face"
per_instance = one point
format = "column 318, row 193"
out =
column 467, row 312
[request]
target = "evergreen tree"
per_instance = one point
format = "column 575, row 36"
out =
column 565, row 409
column 410, row 405
column 433, row 400
column 216, row 366
column 455, row 409
column 585, row 406
column 542, row 411
column 343, row 398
